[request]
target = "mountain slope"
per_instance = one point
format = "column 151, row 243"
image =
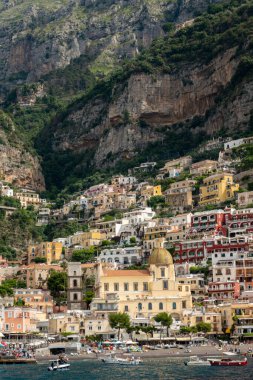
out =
column 188, row 86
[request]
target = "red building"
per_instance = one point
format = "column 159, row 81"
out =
column 210, row 248
column 205, row 221
column 239, row 222
column 223, row 291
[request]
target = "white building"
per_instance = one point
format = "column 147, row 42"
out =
column 123, row 256
column 233, row 144
column 136, row 217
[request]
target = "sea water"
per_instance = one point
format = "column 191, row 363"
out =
column 155, row 369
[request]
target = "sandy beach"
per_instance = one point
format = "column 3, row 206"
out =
column 202, row 351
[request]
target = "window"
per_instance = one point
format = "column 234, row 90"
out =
column 136, row 286
column 150, row 306
column 9, row 314
column 116, row 286
column 165, row 285
column 72, row 328
column 174, row 305
column 145, row 286
column 75, row 297
column 160, row 306
column 126, row 307
column 18, row 327
column 162, row 272
column 184, row 304
column 90, row 327
column 126, row 286
column 74, row 283
column 74, row 272
column 106, row 287
column 139, row 306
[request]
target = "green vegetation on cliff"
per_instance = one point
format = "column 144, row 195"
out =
column 224, row 26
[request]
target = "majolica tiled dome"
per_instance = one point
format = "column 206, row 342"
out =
column 160, row 256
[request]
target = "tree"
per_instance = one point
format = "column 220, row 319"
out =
column 57, row 284
column 83, row 255
column 133, row 240
column 119, row 321
column 204, row 327
column 165, row 319
column 38, row 260
column 148, row 330
column 88, row 297
column 185, row 330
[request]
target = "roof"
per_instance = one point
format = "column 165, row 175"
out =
column 126, row 273
column 160, row 256
column 89, row 265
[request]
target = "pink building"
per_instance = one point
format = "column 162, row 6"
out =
column 19, row 320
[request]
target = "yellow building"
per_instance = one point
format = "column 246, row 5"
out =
column 88, row 239
column 149, row 191
column 51, row 251
column 142, row 293
column 218, row 188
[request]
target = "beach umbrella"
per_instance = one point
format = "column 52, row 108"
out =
column 1, row 345
column 1, row 335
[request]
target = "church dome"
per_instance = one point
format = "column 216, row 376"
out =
column 160, row 256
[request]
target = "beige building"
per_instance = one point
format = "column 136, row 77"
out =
column 203, row 167
column 51, row 251
column 179, row 194
column 64, row 323
column 196, row 316
column 142, row 293
column 28, row 198
column 244, row 199
column 38, row 299
column 179, row 163
column 37, row 275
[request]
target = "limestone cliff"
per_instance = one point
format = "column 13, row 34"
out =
column 146, row 106
column 18, row 166
column 37, row 38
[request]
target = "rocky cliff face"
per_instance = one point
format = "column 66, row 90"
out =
column 17, row 166
column 146, row 106
column 38, row 38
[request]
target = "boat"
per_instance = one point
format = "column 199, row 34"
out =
column 60, row 364
column 121, row 361
column 229, row 362
column 196, row 361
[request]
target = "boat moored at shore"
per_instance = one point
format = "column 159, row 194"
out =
column 196, row 361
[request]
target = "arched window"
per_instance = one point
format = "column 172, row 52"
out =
column 174, row 305
column 139, row 306
column 74, row 283
column 75, row 296
column 150, row 306
column 74, row 272
column 160, row 306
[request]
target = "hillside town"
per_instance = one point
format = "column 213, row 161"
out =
column 180, row 245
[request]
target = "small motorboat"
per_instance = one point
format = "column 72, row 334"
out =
column 229, row 362
column 196, row 361
column 60, row 364
column 121, row 361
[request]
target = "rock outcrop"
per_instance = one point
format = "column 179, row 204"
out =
column 146, row 106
